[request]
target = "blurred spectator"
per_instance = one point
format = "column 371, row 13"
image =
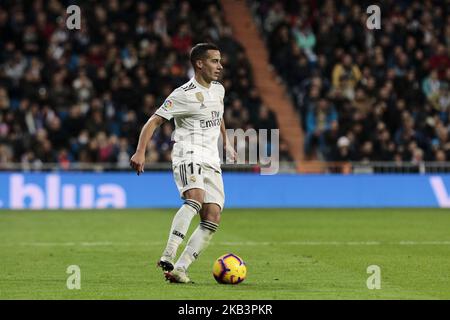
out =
column 321, row 118
column 440, row 60
column 124, row 153
column 431, row 84
column 342, row 150
column 345, row 77
column 305, row 39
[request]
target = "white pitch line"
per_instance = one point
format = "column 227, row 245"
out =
column 228, row 243
column 335, row 243
column 413, row 243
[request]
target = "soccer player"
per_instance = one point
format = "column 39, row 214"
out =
column 197, row 109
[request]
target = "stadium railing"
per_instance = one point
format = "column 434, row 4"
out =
column 377, row 167
column 304, row 167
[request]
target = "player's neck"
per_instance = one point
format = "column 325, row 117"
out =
column 201, row 81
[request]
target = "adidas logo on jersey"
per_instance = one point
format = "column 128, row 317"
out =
column 189, row 87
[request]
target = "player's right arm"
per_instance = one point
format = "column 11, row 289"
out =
column 138, row 159
column 175, row 105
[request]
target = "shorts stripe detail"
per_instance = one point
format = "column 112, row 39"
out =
column 211, row 226
column 183, row 174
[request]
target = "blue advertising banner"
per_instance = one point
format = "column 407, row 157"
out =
column 63, row 190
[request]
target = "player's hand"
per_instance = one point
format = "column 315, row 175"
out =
column 137, row 162
column 231, row 153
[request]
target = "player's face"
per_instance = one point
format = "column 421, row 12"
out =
column 211, row 66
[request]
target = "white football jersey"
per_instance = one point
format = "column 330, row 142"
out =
column 197, row 112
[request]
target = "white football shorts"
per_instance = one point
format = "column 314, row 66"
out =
column 190, row 175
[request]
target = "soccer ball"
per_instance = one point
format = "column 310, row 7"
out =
column 229, row 269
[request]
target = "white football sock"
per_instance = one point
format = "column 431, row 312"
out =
column 180, row 226
column 198, row 242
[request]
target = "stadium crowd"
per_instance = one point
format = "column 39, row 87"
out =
column 364, row 95
column 83, row 95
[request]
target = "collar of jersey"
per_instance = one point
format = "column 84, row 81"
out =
column 199, row 85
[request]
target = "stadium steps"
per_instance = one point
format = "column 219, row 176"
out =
column 273, row 92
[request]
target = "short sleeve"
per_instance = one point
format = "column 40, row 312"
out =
column 223, row 91
column 173, row 106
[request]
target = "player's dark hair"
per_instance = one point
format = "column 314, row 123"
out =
column 199, row 51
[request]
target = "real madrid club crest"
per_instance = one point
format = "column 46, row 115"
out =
column 200, row 98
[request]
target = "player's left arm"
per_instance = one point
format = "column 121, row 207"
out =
column 229, row 149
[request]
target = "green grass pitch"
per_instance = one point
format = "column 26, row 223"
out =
column 290, row 254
